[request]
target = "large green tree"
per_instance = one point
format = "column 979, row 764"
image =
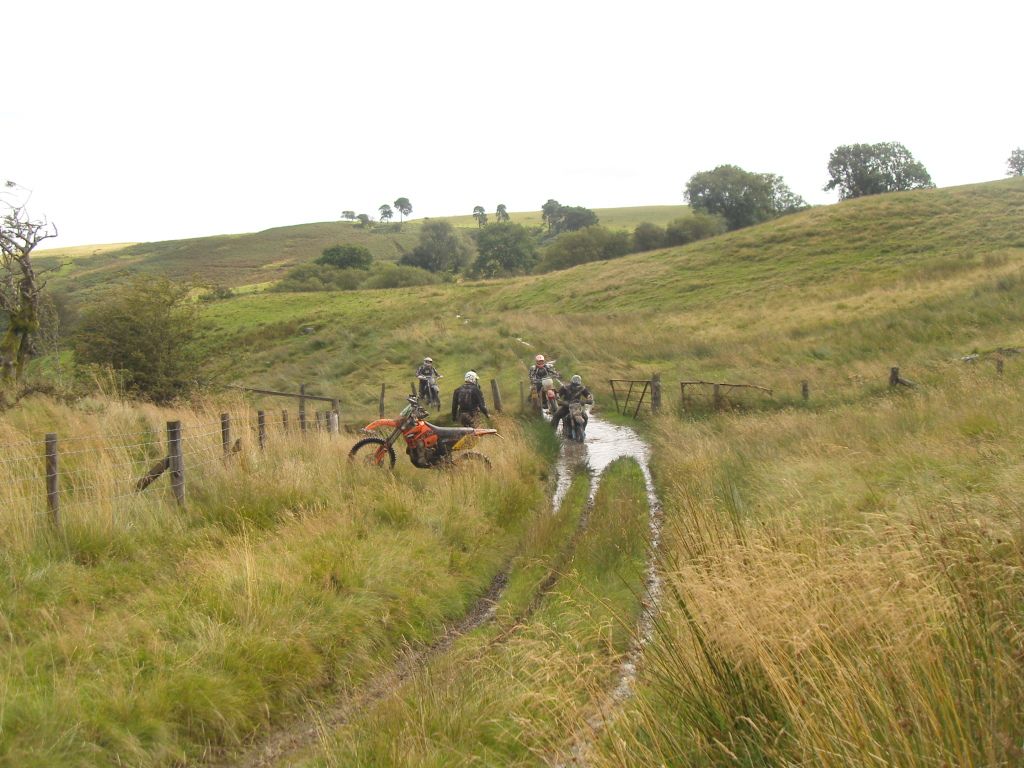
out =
column 480, row 215
column 20, row 287
column 1015, row 163
column 441, row 248
column 386, row 213
column 857, row 170
column 550, row 213
column 147, row 330
column 505, row 249
column 404, row 208
column 742, row 198
column 501, row 214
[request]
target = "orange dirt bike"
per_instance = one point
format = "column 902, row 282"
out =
column 426, row 444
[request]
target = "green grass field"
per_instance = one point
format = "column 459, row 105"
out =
column 843, row 577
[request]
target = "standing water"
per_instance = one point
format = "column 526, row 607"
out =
column 604, row 444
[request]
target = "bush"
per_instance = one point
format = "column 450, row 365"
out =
column 318, row 277
column 346, row 257
column 147, row 332
column 505, row 248
column 647, row 237
column 441, row 248
column 695, row 227
column 398, row 276
column 590, row 244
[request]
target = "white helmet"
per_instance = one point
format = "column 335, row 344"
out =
column 577, row 379
column 471, row 377
column 428, row 360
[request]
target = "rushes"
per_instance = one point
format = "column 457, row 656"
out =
column 842, row 590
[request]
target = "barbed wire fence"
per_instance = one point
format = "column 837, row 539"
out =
column 116, row 473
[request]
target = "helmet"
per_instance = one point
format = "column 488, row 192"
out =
column 471, row 377
column 576, row 379
column 428, row 360
column 539, row 359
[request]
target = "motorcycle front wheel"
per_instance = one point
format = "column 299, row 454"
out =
column 373, row 451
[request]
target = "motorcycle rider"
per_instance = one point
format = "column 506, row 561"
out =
column 569, row 393
column 426, row 370
column 468, row 401
column 540, row 370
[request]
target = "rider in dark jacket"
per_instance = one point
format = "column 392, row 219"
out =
column 468, row 401
column 569, row 393
column 425, row 370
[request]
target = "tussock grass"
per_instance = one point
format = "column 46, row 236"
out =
column 841, row 589
column 150, row 635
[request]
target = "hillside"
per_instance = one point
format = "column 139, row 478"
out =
column 831, row 581
column 255, row 260
column 834, row 295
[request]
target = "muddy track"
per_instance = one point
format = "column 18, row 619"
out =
column 605, row 443
column 280, row 744
column 303, row 735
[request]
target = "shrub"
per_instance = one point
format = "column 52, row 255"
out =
column 647, row 237
column 147, row 331
column 695, row 227
column 398, row 276
column 590, row 244
column 318, row 277
column 346, row 257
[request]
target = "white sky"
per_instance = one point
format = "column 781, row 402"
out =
column 141, row 120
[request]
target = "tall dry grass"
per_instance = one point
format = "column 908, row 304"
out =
column 149, row 635
column 841, row 590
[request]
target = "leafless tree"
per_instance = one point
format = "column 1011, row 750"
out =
column 20, row 286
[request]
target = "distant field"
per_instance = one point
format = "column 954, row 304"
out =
column 614, row 218
column 260, row 258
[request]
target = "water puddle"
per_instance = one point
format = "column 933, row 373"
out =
column 604, row 444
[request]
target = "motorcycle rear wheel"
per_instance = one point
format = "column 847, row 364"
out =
column 373, row 451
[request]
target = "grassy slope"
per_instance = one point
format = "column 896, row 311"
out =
column 835, row 295
column 844, row 578
column 258, row 258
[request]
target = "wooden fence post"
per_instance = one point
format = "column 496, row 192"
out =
column 805, row 390
column 656, row 393
column 177, row 464
column 999, row 366
column 496, row 395
column 332, row 419
column 52, row 484
column 894, row 376
column 225, row 433
column 261, row 429
column 319, row 421
column 284, row 420
column 302, row 408
column 380, row 405
column 716, row 396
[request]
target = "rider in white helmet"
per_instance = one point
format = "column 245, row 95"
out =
column 468, row 401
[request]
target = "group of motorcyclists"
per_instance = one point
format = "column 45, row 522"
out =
column 468, row 399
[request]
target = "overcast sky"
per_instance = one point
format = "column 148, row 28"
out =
column 135, row 121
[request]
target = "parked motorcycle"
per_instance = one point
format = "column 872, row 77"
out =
column 426, row 444
column 433, row 391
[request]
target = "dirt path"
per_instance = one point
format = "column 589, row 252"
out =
column 605, row 443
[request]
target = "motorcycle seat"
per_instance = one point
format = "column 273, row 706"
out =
column 447, row 432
